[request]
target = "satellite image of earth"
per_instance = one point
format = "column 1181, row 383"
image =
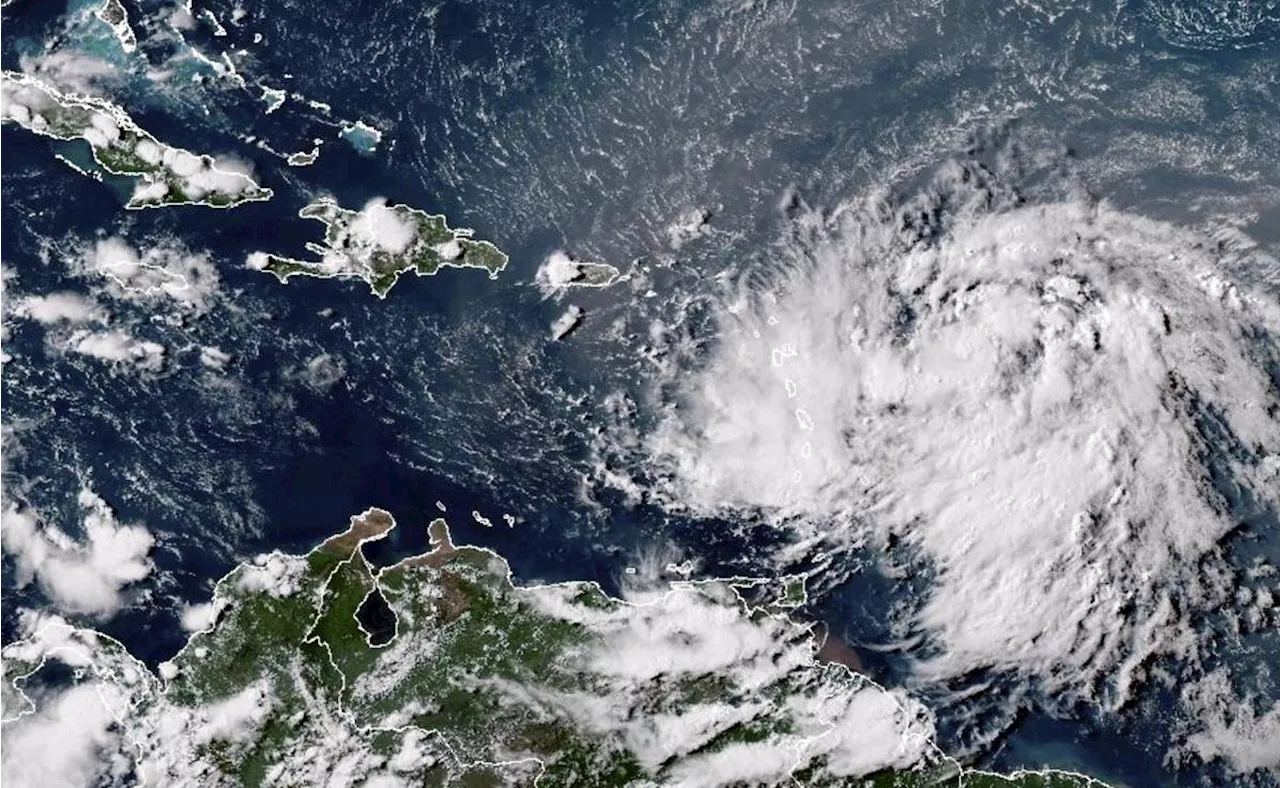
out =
column 640, row 393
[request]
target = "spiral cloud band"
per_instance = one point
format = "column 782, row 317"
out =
column 1064, row 409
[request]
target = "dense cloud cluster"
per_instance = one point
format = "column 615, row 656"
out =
column 87, row 575
column 1061, row 408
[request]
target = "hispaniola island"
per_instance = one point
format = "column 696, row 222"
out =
column 644, row 394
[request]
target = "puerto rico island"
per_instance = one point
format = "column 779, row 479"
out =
column 164, row 175
column 380, row 242
column 560, row 272
column 321, row 669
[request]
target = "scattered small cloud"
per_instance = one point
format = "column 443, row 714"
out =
column 164, row 271
column 1229, row 727
column 322, row 371
column 214, row 358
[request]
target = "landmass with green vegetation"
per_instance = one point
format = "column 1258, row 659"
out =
column 163, row 175
column 561, row 272
column 380, row 242
column 439, row 671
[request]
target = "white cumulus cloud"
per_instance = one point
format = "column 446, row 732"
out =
column 87, row 576
column 380, row 227
column 59, row 307
column 118, row 346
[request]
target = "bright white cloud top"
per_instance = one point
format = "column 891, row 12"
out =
column 559, row 272
column 59, row 308
column 1062, row 409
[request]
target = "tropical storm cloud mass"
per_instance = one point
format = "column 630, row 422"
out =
column 1061, row 409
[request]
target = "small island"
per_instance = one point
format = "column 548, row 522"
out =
column 113, row 13
column 303, row 158
column 361, row 136
column 164, row 175
column 438, row 670
column 380, row 242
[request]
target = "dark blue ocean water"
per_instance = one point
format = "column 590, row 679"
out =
column 559, row 125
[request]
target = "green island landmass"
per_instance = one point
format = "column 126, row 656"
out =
column 594, row 275
column 303, row 158
column 560, row 272
column 164, row 175
column 114, row 15
column 461, row 678
column 379, row 243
